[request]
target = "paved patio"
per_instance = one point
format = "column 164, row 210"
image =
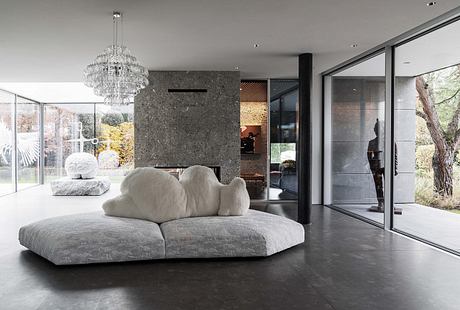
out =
column 438, row 226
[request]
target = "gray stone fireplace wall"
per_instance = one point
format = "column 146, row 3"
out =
column 186, row 118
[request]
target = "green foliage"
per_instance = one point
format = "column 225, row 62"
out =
column 444, row 85
column 87, row 121
column 424, row 158
column 277, row 148
column 424, row 192
column 113, row 119
column 422, row 135
column 122, row 141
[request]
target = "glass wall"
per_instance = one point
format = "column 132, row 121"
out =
column 19, row 143
column 108, row 133
column 115, row 133
column 7, row 174
column 283, row 139
column 354, row 141
column 28, row 142
column 424, row 115
column 62, row 124
column 427, row 134
column 254, row 137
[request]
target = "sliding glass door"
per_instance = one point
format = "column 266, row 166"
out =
column 427, row 133
column 354, row 139
column 392, row 136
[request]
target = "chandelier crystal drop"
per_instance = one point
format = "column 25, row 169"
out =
column 116, row 74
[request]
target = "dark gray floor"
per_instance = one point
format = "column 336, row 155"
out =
column 344, row 264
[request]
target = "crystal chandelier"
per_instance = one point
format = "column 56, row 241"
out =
column 115, row 74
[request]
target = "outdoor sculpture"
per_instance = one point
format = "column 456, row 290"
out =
column 81, row 168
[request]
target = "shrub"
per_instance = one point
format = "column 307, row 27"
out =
column 424, row 195
column 424, row 191
column 424, row 158
column 122, row 141
column 113, row 119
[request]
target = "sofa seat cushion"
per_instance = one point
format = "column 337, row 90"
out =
column 93, row 238
column 255, row 234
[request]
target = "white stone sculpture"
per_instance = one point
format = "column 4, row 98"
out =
column 81, row 165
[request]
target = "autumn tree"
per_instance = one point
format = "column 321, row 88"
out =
column 439, row 105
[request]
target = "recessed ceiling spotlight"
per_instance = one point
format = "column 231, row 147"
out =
column 406, row 62
column 237, row 68
column 256, row 45
column 431, row 3
column 354, row 45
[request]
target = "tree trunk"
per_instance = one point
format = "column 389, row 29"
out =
column 443, row 168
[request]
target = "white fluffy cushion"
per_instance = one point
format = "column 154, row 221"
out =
column 234, row 198
column 202, row 189
column 155, row 195
column 151, row 194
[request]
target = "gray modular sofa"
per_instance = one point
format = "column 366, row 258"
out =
column 96, row 238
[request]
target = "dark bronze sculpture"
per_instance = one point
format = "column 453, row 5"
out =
column 248, row 143
column 375, row 157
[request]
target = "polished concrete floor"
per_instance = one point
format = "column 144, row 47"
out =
column 344, row 264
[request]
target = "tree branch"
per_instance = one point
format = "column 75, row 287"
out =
column 421, row 114
column 450, row 98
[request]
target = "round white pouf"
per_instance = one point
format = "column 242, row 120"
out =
column 81, row 166
column 108, row 159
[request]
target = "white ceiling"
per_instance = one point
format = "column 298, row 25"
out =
column 53, row 40
column 433, row 51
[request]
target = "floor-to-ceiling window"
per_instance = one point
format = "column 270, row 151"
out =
column 355, row 139
column 413, row 172
column 427, row 133
column 107, row 132
column 269, row 118
column 28, row 142
column 115, row 133
column 254, row 137
column 7, row 166
column 19, row 142
column 284, row 96
column 62, row 127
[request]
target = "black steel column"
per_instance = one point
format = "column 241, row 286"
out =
column 304, row 138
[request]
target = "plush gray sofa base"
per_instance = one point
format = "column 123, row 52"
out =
column 93, row 238
column 97, row 238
